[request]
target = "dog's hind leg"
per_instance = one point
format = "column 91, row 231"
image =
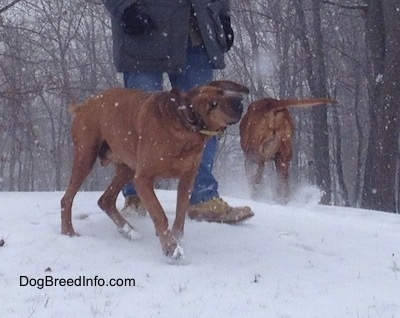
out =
column 84, row 159
column 282, row 165
column 123, row 174
column 254, row 172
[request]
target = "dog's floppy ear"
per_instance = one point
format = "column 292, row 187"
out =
column 230, row 86
column 176, row 95
column 175, row 91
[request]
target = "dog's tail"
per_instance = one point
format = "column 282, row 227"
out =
column 72, row 109
column 305, row 102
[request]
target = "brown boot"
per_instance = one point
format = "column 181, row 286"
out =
column 217, row 210
column 132, row 205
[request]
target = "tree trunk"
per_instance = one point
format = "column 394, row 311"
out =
column 339, row 162
column 316, row 76
column 382, row 33
column 356, row 198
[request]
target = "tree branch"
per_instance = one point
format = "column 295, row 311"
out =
column 362, row 7
column 9, row 6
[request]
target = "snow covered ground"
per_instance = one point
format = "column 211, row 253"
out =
column 300, row 260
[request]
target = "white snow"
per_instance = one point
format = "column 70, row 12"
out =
column 379, row 78
column 300, row 260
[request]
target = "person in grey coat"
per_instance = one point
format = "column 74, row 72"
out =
column 187, row 41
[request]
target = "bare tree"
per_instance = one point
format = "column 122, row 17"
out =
column 51, row 59
column 382, row 19
column 316, row 77
column 55, row 53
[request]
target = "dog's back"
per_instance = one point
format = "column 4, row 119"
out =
column 113, row 102
column 109, row 115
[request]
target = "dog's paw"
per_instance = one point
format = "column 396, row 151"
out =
column 170, row 246
column 176, row 257
column 129, row 232
column 69, row 231
column 177, row 253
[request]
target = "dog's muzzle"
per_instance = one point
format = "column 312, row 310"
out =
column 237, row 108
column 238, row 105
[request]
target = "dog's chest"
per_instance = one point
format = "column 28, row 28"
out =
column 169, row 153
column 170, row 147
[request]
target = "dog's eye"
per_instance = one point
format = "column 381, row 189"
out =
column 214, row 104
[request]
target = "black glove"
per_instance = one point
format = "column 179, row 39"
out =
column 226, row 24
column 135, row 21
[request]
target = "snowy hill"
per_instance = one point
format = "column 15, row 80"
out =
column 300, row 260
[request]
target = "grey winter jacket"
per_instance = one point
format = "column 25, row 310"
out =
column 164, row 49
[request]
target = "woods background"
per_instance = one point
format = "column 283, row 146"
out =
column 53, row 52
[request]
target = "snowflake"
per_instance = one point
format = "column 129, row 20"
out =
column 379, row 79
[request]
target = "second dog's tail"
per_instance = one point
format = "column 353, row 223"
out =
column 269, row 104
column 305, row 102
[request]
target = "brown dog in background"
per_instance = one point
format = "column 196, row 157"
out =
column 266, row 133
column 148, row 136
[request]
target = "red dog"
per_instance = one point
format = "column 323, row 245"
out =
column 148, row 136
column 266, row 133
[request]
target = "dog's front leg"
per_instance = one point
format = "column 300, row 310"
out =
column 185, row 187
column 145, row 190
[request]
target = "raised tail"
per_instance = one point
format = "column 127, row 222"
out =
column 304, row 102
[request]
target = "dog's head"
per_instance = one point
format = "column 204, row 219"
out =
column 214, row 106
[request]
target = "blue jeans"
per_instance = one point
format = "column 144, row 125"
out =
column 198, row 72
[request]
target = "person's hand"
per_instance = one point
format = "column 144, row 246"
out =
column 135, row 21
column 226, row 24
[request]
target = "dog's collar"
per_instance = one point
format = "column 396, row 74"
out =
column 193, row 122
column 211, row 133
